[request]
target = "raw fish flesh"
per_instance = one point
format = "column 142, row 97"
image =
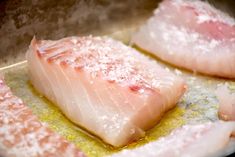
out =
column 201, row 140
column 102, row 85
column 226, row 103
column 22, row 135
column 191, row 34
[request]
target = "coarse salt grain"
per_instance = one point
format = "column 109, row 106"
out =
column 112, row 59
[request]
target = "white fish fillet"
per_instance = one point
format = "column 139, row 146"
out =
column 202, row 140
column 104, row 86
column 226, row 103
column 23, row 135
column 191, row 34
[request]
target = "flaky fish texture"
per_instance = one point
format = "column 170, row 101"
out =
column 102, row 85
column 201, row 140
column 191, row 34
column 23, row 135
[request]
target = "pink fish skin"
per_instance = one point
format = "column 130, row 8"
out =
column 191, row 34
column 199, row 140
column 226, row 103
column 102, row 85
column 23, row 135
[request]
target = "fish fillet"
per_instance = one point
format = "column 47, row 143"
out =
column 226, row 103
column 201, row 140
column 22, row 135
column 192, row 35
column 102, row 85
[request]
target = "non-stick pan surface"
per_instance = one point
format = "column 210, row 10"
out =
column 20, row 20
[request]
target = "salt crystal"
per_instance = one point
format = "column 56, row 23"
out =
column 115, row 61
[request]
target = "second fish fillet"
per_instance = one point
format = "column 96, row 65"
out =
column 199, row 140
column 102, row 85
column 191, row 34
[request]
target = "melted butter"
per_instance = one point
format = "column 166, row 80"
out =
column 198, row 105
column 48, row 113
column 231, row 86
column 173, row 119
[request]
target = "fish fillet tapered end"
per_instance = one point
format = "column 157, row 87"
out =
column 23, row 135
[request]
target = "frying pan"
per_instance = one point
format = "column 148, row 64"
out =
column 20, row 20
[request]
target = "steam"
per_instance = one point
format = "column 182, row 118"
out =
column 51, row 19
